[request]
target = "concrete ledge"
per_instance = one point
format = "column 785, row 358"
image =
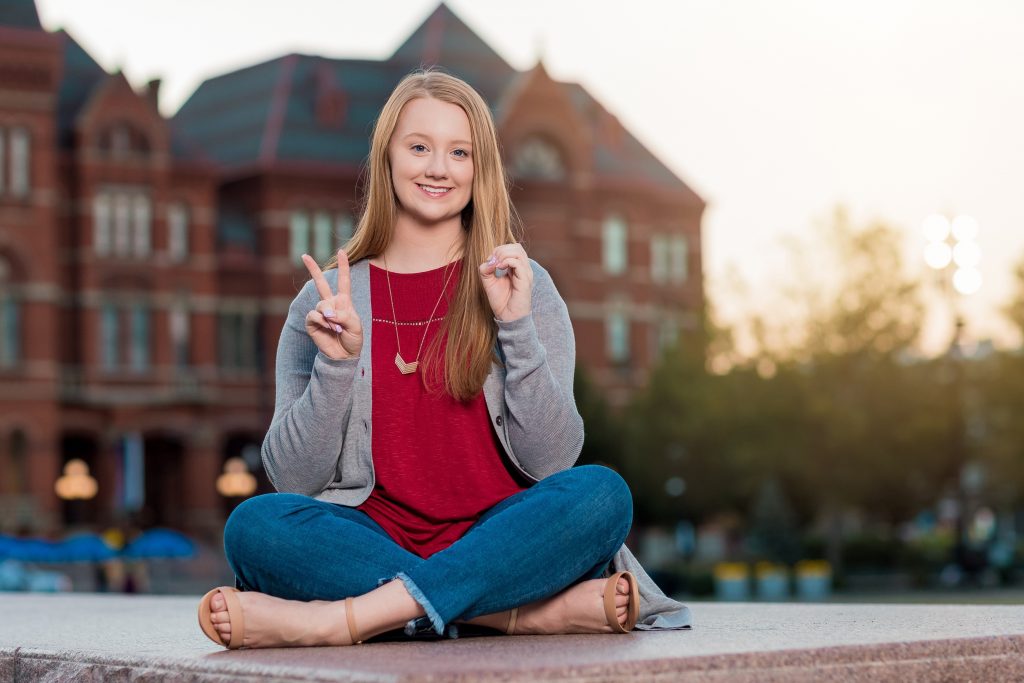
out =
column 122, row 638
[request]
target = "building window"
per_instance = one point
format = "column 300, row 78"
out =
column 238, row 337
column 179, row 324
column 140, row 338
column 680, row 253
column 123, row 141
column 15, row 161
column 10, row 338
column 177, row 231
column 659, row 258
column 101, row 224
column 20, row 151
column 110, row 337
column 318, row 233
column 15, row 479
column 323, row 235
column 538, row 159
column 299, row 235
column 668, row 334
column 344, row 227
column 122, row 223
column 614, row 249
column 141, row 225
column 617, row 330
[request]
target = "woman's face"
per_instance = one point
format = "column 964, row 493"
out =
column 432, row 160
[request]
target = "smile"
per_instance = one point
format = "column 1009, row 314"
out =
column 433, row 190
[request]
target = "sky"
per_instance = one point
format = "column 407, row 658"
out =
column 774, row 112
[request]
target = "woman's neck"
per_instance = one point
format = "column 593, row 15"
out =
column 415, row 248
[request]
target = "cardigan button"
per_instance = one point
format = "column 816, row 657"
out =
column 498, row 420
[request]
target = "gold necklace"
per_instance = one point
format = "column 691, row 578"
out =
column 403, row 367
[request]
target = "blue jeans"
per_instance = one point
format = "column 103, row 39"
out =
column 562, row 530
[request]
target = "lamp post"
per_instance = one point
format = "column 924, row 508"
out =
column 954, row 255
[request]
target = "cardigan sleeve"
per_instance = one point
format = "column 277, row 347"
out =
column 545, row 430
column 311, row 408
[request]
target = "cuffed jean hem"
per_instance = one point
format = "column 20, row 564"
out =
column 435, row 618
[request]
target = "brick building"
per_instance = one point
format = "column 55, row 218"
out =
column 147, row 264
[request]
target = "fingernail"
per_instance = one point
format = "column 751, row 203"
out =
column 337, row 328
column 491, row 261
column 328, row 313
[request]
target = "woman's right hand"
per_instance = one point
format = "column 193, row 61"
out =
column 333, row 324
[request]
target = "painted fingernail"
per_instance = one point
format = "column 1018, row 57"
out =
column 337, row 328
column 328, row 313
column 491, row 261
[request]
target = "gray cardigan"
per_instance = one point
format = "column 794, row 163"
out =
column 318, row 443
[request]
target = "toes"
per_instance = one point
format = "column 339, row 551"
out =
column 622, row 587
column 217, row 603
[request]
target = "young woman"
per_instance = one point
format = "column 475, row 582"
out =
column 425, row 428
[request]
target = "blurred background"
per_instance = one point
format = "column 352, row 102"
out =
column 788, row 234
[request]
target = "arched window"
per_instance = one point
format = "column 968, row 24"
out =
column 123, row 140
column 538, row 159
column 15, row 480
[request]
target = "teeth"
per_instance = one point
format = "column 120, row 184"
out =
column 435, row 190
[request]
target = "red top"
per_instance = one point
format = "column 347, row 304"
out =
column 437, row 461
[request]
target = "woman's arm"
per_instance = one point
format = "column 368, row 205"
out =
column 312, row 406
column 545, row 430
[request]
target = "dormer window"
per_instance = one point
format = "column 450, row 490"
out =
column 538, row 159
column 123, row 140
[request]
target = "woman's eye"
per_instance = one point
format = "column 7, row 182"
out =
column 417, row 148
column 462, row 152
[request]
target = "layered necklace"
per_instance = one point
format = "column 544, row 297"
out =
column 404, row 367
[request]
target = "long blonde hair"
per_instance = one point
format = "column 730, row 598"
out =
column 487, row 221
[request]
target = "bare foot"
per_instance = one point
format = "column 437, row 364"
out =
column 275, row 622
column 577, row 609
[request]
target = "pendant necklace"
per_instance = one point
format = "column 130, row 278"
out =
column 403, row 367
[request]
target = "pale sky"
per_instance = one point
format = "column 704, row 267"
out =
column 772, row 111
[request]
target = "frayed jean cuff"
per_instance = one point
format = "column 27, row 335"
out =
column 435, row 619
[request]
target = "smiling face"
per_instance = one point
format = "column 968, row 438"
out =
column 431, row 157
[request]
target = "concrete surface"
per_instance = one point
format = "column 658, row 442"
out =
column 154, row 638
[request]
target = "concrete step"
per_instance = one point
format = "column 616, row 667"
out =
column 78, row 636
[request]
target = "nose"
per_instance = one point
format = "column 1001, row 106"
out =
column 438, row 166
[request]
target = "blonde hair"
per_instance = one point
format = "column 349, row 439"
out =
column 487, row 221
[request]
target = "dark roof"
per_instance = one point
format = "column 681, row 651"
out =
column 81, row 76
column 20, row 13
column 266, row 113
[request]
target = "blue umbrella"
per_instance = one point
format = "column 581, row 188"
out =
column 160, row 543
column 78, row 548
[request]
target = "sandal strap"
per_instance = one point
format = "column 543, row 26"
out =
column 609, row 603
column 350, row 618
column 513, row 614
column 235, row 616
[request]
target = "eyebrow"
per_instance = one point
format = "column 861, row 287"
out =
column 427, row 137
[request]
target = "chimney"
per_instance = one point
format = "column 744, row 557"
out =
column 153, row 92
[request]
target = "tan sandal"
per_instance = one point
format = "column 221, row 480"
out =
column 237, row 618
column 632, row 611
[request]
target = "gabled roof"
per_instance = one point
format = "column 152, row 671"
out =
column 81, row 76
column 265, row 114
column 20, row 13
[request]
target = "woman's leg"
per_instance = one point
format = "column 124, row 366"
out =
column 285, row 548
column 299, row 548
column 562, row 530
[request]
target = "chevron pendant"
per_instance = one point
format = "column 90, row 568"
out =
column 403, row 367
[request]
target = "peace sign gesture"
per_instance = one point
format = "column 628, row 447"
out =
column 333, row 324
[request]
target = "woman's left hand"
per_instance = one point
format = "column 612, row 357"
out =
column 509, row 296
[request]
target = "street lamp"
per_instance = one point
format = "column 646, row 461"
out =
column 236, row 481
column 952, row 244
column 952, row 247
column 75, row 484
